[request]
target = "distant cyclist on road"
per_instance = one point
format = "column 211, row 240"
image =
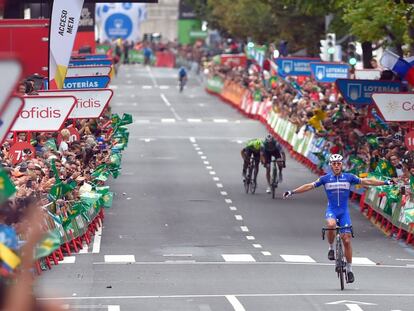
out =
column 271, row 148
column 252, row 148
column 182, row 77
column 337, row 187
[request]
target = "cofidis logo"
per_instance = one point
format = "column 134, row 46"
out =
column 44, row 113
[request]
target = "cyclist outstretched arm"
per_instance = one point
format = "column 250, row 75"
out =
column 376, row 182
column 304, row 188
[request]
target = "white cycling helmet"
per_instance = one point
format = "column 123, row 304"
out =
column 335, row 158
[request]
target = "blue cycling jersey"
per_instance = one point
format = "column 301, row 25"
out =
column 337, row 189
column 182, row 72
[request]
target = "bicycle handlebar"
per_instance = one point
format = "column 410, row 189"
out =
column 337, row 229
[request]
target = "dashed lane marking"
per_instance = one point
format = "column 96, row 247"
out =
column 265, row 253
column 244, row 229
column 68, row 259
column 220, row 120
column 228, row 201
column 233, row 208
column 224, row 193
column 119, row 258
column 147, row 87
column 194, row 120
column 257, row 246
column 238, row 258
column 114, row 308
column 297, row 258
column 164, row 87
column 219, row 185
column 216, row 178
column 250, row 237
column 238, row 217
column 362, row 261
column 168, row 120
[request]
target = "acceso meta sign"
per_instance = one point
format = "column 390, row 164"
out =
column 90, row 103
column 359, row 92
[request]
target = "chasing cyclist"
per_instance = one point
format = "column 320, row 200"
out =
column 182, row 77
column 252, row 148
column 337, row 187
column 271, row 148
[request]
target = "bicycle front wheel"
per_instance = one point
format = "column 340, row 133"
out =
column 340, row 264
column 274, row 181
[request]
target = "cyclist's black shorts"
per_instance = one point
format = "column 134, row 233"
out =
column 268, row 155
column 248, row 152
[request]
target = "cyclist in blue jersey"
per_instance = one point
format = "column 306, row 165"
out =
column 182, row 77
column 337, row 187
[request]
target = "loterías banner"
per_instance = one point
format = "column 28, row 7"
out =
column 63, row 28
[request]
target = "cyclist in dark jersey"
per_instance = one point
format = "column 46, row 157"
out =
column 337, row 187
column 252, row 147
column 271, row 148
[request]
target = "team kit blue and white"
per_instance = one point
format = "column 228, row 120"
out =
column 337, row 190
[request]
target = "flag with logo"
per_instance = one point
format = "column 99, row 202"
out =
column 63, row 28
column 7, row 188
column 403, row 67
column 385, row 169
column 49, row 244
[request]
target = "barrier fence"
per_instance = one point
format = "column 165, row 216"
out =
column 391, row 210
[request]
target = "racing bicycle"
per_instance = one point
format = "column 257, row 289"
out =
column 250, row 182
column 340, row 263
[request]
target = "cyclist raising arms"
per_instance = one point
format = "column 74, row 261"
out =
column 252, row 147
column 271, row 148
column 337, row 187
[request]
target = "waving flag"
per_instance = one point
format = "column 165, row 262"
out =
column 403, row 67
column 63, row 29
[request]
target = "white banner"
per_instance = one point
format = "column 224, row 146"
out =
column 395, row 106
column 11, row 70
column 44, row 113
column 91, row 103
column 63, row 29
column 367, row 74
column 120, row 20
column 89, row 71
column 9, row 116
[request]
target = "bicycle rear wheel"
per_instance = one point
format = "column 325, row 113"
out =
column 246, row 184
column 253, row 183
column 274, row 180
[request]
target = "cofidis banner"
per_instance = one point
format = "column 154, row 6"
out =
column 43, row 113
column 93, row 82
column 359, row 92
column 289, row 66
column 397, row 107
column 329, row 72
column 63, row 28
column 90, row 103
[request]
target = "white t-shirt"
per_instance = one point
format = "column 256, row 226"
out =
column 63, row 147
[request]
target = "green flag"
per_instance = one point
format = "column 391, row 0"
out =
column 126, row 119
column 372, row 141
column 51, row 144
column 49, row 244
column 107, row 199
column 7, row 188
column 385, row 169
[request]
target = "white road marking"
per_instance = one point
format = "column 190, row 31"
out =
column 220, row 120
column 97, row 241
column 237, row 306
column 142, row 121
column 362, row 261
column 238, row 257
column 164, row 87
column 257, row 246
column 120, row 258
column 265, row 253
column 206, row 162
column 200, row 152
column 209, row 167
column 134, row 104
column 84, row 249
column 238, row 295
column 192, row 139
column 238, row 217
column 216, row 179
column 152, row 76
column 244, row 229
column 223, row 193
column 233, row 208
column 175, row 114
column 165, row 100
column 212, row 173
column 250, row 237
column 179, row 261
column 114, row 308
column 219, row 185
column 194, row 120
column 228, row 201
column 68, row 259
column 197, row 148
column 203, row 157
column 297, row 258
column 147, row 87
column 168, row 120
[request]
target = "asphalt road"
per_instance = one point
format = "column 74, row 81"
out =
column 183, row 235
